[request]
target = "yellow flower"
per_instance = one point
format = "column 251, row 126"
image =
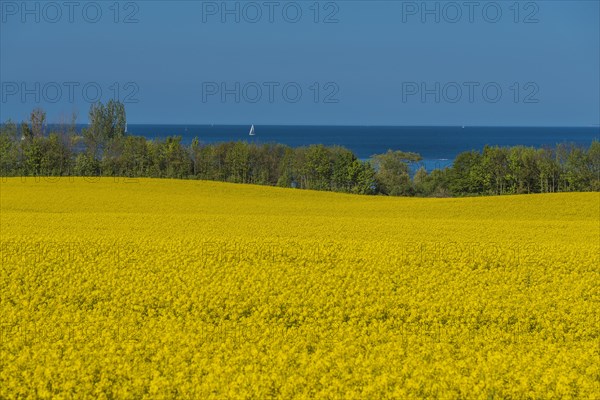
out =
column 184, row 289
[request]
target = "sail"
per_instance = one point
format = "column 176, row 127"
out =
column 252, row 131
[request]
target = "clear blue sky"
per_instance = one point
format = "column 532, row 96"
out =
column 371, row 62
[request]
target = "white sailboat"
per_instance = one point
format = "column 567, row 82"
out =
column 252, row 131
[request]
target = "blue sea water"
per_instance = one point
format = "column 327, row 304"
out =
column 437, row 145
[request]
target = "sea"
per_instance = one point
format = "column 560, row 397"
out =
column 437, row 145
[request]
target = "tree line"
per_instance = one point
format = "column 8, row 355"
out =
column 105, row 149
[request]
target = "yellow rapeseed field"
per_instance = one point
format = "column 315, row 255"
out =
column 118, row 289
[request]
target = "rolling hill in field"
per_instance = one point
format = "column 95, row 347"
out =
column 186, row 289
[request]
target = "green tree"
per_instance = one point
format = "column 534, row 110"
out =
column 237, row 160
column 9, row 149
column 577, row 173
column 195, row 155
column 548, row 170
column 345, row 170
column 106, row 123
column 593, row 158
column 85, row 165
column 393, row 173
column 37, row 120
column 135, row 158
column 265, row 163
column 56, row 159
column 420, row 181
column 495, row 165
column 175, row 158
column 26, row 132
column 363, row 176
column 316, row 168
column 33, row 152
column 287, row 175
column 467, row 174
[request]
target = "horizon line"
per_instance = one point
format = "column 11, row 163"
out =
column 343, row 125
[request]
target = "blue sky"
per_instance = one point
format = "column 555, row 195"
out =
column 333, row 63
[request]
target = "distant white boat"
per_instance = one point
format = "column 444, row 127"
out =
column 252, row 131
